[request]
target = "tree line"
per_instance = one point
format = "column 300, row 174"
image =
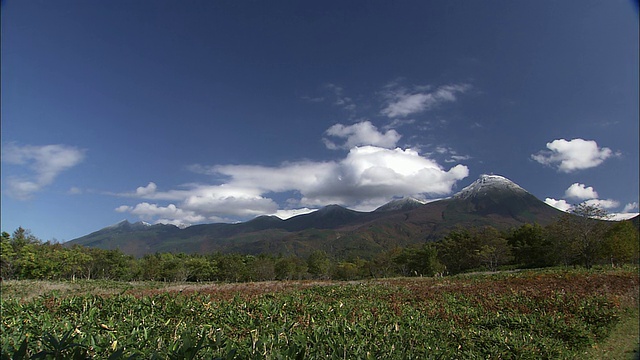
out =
column 581, row 238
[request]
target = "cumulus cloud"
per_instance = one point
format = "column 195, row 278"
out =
column 589, row 196
column 627, row 212
column 572, row 155
column 629, row 207
column 215, row 203
column 603, row 203
column 366, row 172
column 145, row 191
column 581, row 192
column 149, row 211
column 558, row 204
column 362, row 133
column 367, row 177
column 198, row 203
column 43, row 165
column 373, row 172
column 402, row 102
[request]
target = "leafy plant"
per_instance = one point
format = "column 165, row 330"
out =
column 529, row 314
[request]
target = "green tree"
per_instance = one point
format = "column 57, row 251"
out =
column 173, row 267
column 231, row 267
column 76, row 262
column 318, row 264
column 494, row 248
column 7, row 257
column 30, row 263
column 531, row 246
column 112, row 264
column 562, row 246
column 199, row 268
column 621, row 243
column 423, row 261
column 458, row 251
column 384, row 265
column 151, row 267
column 262, row 268
column 22, row 237
column 291, row 267
column 344, row 270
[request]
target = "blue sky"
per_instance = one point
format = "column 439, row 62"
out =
column 202, row 111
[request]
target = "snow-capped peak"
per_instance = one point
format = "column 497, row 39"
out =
column 486, row 183
column 118, row 224
column 126, row 223
column 401, row 204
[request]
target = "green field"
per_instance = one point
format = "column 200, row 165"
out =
column 553, row 314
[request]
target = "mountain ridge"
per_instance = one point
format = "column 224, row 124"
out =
column 492, row 200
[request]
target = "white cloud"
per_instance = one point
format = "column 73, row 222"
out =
column 572, row 155
column 396, row 123
column 452, row 154
column 558, row 204
column 622, row 216
column 627, row 212
column 146, row 191
column 366, row 178
column 367, row 172
column 341, row 100
column 402, row 103
column 44, row 163
column 285, row 214
column 603, row 203
column 581, row 192
column 362, row 133
column 460, row 157
column 74, row 191
column 629, row 207
column 123, row 208
column 212, row 201
column 149, row 211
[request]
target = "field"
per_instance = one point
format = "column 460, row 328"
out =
column 553, row 314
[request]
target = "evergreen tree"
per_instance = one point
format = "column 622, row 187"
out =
column 531, row 246
column 621, row 243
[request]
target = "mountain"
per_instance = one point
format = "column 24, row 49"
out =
column 328, row 217
column 407, row 203
column 490, row 185
column 125, row 225
column 498, row 197
column 491, row 200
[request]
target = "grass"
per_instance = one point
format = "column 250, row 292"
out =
column 557, row 313
column 623, row 341
column 30, row 289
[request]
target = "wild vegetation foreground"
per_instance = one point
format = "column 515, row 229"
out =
column 535, row 314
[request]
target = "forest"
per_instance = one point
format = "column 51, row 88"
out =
column 575, row 239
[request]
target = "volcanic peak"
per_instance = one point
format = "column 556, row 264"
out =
column 488, row 183
column 406, row 203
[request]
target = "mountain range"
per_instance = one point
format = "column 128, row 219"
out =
column 491, row 200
